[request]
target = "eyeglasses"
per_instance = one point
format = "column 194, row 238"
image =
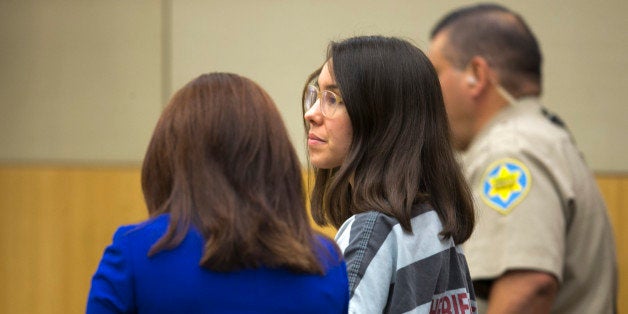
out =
column 329, row 101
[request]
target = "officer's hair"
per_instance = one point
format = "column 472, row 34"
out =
column 499, row 35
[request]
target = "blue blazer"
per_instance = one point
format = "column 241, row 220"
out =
column 127, row 281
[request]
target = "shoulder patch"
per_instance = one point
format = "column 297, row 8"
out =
column 505, row 184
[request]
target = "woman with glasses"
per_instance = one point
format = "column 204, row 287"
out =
column 228, row 230
column 386, row 176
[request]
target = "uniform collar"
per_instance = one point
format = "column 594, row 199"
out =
column 528, row 104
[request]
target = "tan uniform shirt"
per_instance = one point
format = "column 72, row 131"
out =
column 539, row 208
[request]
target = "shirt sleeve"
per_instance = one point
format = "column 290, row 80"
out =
column 520, row 219
column 112, row 286
column 370, row 264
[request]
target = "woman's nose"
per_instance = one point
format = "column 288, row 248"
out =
column 313, row 114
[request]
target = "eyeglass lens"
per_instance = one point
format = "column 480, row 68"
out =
column 310, row 97
column 328, row 100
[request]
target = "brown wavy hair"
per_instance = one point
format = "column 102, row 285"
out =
column 220, row 160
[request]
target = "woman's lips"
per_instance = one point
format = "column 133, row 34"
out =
column 314, row 140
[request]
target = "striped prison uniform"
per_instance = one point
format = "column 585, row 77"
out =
column 394, row 271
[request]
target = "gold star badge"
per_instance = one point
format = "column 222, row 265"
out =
column 505, row 184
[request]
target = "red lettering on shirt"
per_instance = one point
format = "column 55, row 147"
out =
column 463, row 300
column 455, row 303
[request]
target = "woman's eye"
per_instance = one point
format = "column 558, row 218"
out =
column 330, row 99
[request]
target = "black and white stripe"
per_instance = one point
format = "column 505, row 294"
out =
column 394, row 271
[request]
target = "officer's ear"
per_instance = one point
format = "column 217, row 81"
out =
column 471, row 80
column 479, row 75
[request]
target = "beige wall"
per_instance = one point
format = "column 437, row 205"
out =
column 80, row 81
column 280, row 42
column 84, row 81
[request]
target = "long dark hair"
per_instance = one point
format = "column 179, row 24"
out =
column 400, row 153
column 220, row 159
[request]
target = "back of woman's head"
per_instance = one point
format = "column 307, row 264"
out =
column 220, row 160
column 400, row 153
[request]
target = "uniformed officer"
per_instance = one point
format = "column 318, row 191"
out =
column 543, row 242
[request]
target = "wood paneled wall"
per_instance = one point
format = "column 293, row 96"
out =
column 56, row 221
column 614, row 187
column 55, row 224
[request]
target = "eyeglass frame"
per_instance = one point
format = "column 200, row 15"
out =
column 319, row 94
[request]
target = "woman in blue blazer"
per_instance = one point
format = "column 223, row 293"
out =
column 228, row 230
